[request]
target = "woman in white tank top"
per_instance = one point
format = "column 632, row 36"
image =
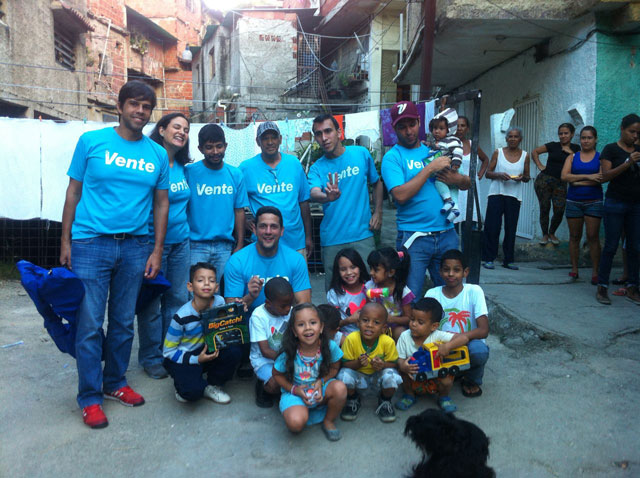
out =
column 508, row 170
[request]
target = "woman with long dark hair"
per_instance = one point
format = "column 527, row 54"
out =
column 171, row 132
column 620, row 165
column 508, row 169
column 583, row 173
column 548, row 185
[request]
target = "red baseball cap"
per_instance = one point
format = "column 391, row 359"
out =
column 402, row 110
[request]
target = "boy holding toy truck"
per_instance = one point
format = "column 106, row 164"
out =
column 423, row 329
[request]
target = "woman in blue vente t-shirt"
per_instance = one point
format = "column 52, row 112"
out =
column 171, row 132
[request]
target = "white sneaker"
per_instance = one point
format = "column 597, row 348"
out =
column 216, row 394
column 179, row 398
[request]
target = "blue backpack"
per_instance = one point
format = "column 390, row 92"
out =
column 57, row 294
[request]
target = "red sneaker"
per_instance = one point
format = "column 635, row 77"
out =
column 94, row 416
column 126, row 396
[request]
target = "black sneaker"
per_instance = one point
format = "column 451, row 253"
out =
column 351, row 408
column 245, row 372
column 263, row 399
column 385, row 410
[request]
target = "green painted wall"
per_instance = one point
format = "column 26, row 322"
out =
column 617, row 84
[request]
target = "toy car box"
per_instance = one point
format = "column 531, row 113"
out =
column 432, row 366
column 223, row 326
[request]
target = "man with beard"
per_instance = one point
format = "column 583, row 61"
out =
column 249, row 270
column 218, row 199
column 410, row 178
column 117, row 175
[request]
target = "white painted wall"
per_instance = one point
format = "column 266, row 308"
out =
column 559, row 82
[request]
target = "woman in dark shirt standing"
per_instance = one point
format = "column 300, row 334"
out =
column 548, row 186
column 621, row 165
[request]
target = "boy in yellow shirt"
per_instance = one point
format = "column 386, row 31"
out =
column 369, row 360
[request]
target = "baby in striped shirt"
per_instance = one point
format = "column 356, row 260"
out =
column 443, row 128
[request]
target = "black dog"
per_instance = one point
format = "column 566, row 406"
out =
column 452, row 448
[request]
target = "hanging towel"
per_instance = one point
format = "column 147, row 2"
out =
column 20, row 194
column 340, row 120
column 389, row 137
column 429, row 112
column 287, row 130
column 241, row 144
column 366, row 123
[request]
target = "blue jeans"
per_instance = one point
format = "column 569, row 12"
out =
column 619, row 216
column 113, row 268
column 214, row 252
column 154, row 320
column 478, row 356
column 425, row 253
column 188, row 380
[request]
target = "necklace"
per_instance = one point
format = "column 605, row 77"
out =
column 309, row 361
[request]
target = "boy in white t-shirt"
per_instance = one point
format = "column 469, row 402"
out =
column 423, row 329
column 266, row 328
column 464, row 310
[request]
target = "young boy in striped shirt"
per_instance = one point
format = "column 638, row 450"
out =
column 186, row 357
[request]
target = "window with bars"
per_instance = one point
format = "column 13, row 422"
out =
column 65, row 46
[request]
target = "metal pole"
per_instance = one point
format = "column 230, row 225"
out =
column 401, row 41
column 473, row 242
column 428, row 38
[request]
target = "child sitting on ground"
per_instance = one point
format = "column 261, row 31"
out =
column 389, row 269
column 369, row 360
column 423, row 329
column 186, row 357
column 443, row 127
column 306, row 371
column 465, row 310
column 331, row 319
column 266, row 328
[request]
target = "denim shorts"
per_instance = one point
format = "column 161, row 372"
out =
column 316, row 413
column 576, row 209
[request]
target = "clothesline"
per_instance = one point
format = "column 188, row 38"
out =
column 36, row 159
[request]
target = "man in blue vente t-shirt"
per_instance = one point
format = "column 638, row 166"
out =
column 218, row 199
column 276, row 179
column 422, row 228
column 117, row 176
column 338, row 181
column 249, row 269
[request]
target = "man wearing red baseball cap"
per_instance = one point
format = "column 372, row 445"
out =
column 422, row 229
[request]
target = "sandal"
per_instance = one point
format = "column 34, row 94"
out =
column 620, row 281
column 447, row 405
column 621, row 292
column 332, row 435
column 406, row 402
column 574, row 276
column 466, row 384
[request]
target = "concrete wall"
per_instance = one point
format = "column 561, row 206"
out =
column 617, row 84
column 385, row 35
column 558, row 82
column 26, row 37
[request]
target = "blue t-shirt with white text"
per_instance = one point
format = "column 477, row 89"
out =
column 118, row 179
column 179, row 194
column 247, row 262
column 347, row 218
column 215, row 194
column 283, row 187
column 422, row 211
